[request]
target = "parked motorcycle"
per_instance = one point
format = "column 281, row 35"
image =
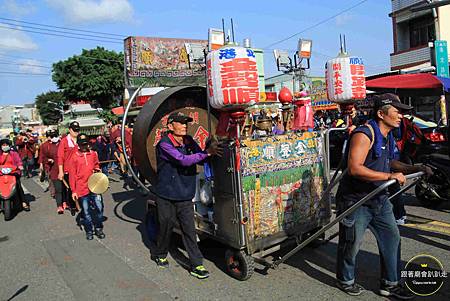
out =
column 434, row 190
column 9, row 201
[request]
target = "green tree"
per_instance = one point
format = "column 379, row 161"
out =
column 108, row 116
column 95, row 75
column 49, row 105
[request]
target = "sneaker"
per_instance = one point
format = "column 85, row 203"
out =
column 200, row 272
column 162, row 262
column 351, row 289
column 65, row 206
column 397, row 291
column 99, row 233
column 89, row 235
column 400, row 221
column 73, row 211
column 60, row 210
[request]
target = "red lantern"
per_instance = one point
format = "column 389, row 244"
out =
column 285, row 96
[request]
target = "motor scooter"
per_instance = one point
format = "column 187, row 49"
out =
column 9, row 201
column 434, row 190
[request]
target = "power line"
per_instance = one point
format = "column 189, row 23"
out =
column 80, row 55
column 59, row 35
column 66, row 28
column 318, row 23
column 61, row 31
column 23, row 73
column 23, row 64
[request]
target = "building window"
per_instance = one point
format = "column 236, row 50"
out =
column 270, row 88
column 421, row 31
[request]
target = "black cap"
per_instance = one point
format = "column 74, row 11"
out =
column 74, row 125
column 5, row 141
column 53, row 133
column 82, row 139
column 385, row 99
column 179, row 117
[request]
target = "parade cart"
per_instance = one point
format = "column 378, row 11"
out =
column 266, row 191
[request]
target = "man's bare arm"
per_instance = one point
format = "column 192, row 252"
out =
column 359, row 148
column 406, row 169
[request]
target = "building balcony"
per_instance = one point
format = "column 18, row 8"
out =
column 410, row 57
column 398, row 5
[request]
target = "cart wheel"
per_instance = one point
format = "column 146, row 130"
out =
column 239, row 265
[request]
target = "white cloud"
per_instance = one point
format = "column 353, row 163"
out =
column 31, row 66
column 11, row 39
column 343, row 19
column 17, row 8
column 94, row 11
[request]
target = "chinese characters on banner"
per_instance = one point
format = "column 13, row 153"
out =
column 345, row 79
column 200, row 134
column 232, row 77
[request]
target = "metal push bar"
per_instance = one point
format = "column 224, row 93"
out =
column 339, row 218
column 124, row 122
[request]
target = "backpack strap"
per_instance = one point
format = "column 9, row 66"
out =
column 372, row 140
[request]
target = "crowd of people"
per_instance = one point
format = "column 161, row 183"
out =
column 370, row 157
column 65, row 162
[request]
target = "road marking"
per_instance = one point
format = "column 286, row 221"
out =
column 429, row 227
column 417, row 222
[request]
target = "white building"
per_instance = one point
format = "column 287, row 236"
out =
column 415, row 31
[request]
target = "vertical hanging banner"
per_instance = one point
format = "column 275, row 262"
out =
column 345, row 79
column 441, row 52
column 232, row 74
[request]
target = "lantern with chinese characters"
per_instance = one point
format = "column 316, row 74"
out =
column 345, row 79
column 232, row 78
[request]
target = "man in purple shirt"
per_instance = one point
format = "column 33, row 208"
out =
column 177, row 156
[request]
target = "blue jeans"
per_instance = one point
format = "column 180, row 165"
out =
column 92, row 205
column 104, row 167
column 381, row 222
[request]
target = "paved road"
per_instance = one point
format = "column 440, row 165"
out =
column 44, row 256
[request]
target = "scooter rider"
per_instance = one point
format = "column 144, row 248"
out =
column 84, row 163
column 10, row 157
column 177, row 156
column 65, row 150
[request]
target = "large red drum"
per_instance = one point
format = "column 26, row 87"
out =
column 151, row 123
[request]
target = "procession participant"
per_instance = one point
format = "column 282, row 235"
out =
column 84, row 163
column 177, row 155
column 11, row 158
column 25, row 151
column 103, row 148
column 119, row 154
column 369, row 162
column 43, row 173
column 49, row 154
column 65, row 150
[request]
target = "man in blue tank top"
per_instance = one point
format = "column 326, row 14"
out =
column 177, row 155
column 370, row 162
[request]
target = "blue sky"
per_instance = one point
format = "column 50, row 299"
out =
column 367, row 27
